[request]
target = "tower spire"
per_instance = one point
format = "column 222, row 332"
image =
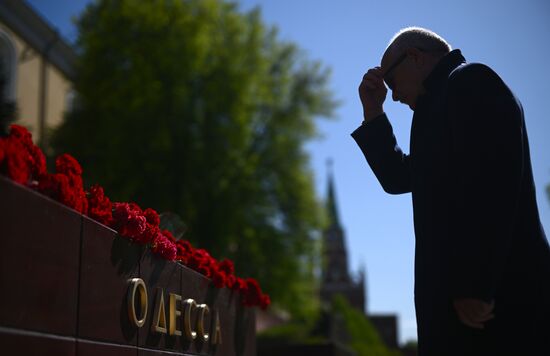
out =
column 336, row 278
column 331, row 197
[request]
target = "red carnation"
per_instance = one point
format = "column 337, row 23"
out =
column 240, row 285
column 198, row 258
column 163, row 247
column 230, row 281
column 201, row 261
column 100, row 207
column 227, row 266
column 218, row 278
column 58, row 186
column 185, row 250
column 185, row 246
column 148, row 235
column 68, row 165
column 21, row 135
column 152, row 217
column 121, row 213
column 169, row 236
column 136, row 226
column 52, row 184
column 135, row 208
column 253, row 294
column 64, row 186
column 265, row 301
column 182, row 254
column 38, row 166
column 130, row 223
column 20, row 159
column 16, row 163
column 204, row 270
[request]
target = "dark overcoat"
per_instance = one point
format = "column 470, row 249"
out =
column 476, row 221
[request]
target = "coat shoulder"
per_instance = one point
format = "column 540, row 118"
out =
column 472, row 74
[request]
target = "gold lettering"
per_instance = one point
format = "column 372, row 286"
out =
column 159, row 324
column 159, row 316
column 190, row 304
column 137, row 284
column 174, row 313
column 203, row 310
column 217, row 330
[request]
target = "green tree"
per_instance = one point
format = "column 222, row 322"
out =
column 198, row 108
column 340, row 324
column 363, row 337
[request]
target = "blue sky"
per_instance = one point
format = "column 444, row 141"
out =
column 349, row 36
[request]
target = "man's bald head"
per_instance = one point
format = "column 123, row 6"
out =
column 416, row 37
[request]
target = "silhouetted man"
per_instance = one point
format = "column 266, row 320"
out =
column 482, row 260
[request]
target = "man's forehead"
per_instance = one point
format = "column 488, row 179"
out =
column 384, row 62
column 387, row 59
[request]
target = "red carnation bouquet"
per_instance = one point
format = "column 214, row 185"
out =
column 65, row 185
column 23, row 162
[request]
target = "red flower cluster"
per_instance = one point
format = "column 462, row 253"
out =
column 252, row 294
column 20, row 159
column 222, row 274
column 143, row 227
column 99, row 206
column 25, row 163
column 66, row 185
column 164, row 246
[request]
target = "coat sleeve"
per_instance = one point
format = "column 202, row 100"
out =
column 487, row 166
column 379, row 146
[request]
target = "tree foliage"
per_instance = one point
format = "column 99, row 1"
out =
column 363, row 337
column 340, row 324
column 197, row 108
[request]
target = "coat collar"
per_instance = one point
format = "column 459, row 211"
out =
column 443, row 68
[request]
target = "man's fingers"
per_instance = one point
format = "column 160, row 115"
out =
column 480, row 310
column 372, row 78
column 465, row 319
column 368, row 85
column 482, row 307
column 375, row 72
column 474, row 312
column 372, row 83
column 478, row 314
column 469, row 313
column 485, row 317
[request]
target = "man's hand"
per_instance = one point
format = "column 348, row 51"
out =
column 474, row 312
column 372, row 93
